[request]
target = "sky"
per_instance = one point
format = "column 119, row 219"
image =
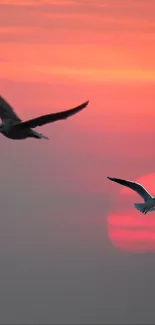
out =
column 73, row 250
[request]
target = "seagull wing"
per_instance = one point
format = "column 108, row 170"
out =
column 134, row 186
column 7, row 112
column 44, row 119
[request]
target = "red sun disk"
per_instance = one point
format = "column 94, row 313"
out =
column 128, row 229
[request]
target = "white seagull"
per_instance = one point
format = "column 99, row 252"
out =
column 14, row 128
column 149, row 200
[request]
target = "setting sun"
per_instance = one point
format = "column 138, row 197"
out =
column 128, row 229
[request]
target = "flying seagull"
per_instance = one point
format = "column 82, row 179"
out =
column 14, row 128
column 149, row 200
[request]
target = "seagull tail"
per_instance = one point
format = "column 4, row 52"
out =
column 40, row 136
column 37, row 135
column 44, row 136
column 140, row 206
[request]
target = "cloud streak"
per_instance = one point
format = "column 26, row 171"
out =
column 105, row 46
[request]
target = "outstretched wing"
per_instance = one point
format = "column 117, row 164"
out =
column 7, row 112
column 50, row 117
column 134, row 186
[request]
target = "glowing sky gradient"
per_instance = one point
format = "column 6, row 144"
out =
column 58, row 233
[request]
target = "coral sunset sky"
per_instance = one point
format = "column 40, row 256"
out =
column 73, row 250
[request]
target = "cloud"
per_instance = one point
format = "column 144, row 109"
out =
column 18, row 3
column 24, row 72
column 38, row 13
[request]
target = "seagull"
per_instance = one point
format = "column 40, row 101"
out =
column 149, row 200
column 14, row 128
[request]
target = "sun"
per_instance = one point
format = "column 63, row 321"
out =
column 128, row 229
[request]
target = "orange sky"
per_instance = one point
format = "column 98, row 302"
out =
column 78, row 42
column 90, row 41
column 56, row 54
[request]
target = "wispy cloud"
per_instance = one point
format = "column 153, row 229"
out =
column 89, row 40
